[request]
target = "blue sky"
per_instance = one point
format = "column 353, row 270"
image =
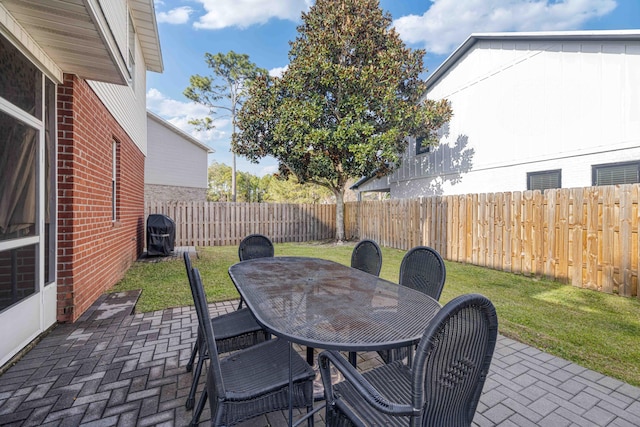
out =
column 263, row 28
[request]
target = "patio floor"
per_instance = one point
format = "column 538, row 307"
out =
column 112, row 368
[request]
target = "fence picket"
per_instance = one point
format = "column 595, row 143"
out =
column 587, row 237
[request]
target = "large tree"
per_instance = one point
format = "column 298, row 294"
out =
column 224, row 90
column 346, row 104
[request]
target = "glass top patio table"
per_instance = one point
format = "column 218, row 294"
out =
column 323, row 304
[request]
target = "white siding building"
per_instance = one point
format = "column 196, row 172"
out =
column 531, row 111
column 176, row 163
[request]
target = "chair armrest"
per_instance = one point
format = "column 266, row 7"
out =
column 360, row 384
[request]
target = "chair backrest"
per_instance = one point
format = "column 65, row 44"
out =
column 422, row 269
column 255, row 246
column 452, row 361
column 366, row 256
column 215, row 386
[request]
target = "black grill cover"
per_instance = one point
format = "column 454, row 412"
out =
column 161, row 235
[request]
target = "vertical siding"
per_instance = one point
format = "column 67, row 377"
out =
column 529, row 106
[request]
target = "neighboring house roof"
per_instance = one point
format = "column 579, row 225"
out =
column 58, row 26
column 179, row 131
column 364, row 180
column 528, row 36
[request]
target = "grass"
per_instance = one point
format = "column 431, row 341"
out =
column 596, row 330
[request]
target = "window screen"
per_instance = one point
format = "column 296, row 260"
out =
column 543, row 180
column 616, row 173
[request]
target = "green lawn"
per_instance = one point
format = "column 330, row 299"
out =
column 595, row 330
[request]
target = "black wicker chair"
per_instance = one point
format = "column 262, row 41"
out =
column 366, row 256
column 441, row 388
column 233, row 331
column 249, row 382
column 422, row 269
column 254, row 246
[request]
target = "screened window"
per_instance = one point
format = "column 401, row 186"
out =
column 27, row 177
column 543, row 180
column 616, row 173
column 20, row 80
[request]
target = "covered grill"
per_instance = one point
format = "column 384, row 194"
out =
column 161, row 235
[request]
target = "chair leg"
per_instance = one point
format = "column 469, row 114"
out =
column 353, row 356
column 310, row 419
column 194, row 385
column 193, row 355
column 310, row 356
column 198, row 411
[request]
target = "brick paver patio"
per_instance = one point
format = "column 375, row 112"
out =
column 115, row 369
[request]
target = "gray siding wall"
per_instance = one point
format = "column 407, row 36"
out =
column 173, row 160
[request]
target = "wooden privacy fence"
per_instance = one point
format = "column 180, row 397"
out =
column 587, row 237
column 221, row 224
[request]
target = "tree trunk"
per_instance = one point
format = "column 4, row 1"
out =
column 339, row 214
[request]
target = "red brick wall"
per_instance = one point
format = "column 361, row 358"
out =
column 93, row 251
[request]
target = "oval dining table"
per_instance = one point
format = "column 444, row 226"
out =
column 323, row 304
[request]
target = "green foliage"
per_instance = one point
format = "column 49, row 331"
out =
column 219, row 182
column 268, row 188
column 291, row 191
column 346, row 104
column 225, row 87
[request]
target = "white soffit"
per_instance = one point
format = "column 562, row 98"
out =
column 144, row 15
column 76, row 35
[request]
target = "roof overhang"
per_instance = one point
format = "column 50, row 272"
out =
column 144, row 15
column 600, row 35
column 75, row 34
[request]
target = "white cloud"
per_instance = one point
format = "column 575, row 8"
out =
column 278, row 71
column 268, row 169
column 179, row 113
column 447, row 23
column 244, row 13
column 179, row 15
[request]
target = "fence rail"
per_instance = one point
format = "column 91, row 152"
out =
column 587, row 237
column 222, row 224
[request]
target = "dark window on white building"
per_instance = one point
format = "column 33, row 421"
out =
column 616, row 173
column 543, row 180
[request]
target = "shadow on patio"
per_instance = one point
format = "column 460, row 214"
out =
column 112, row 368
